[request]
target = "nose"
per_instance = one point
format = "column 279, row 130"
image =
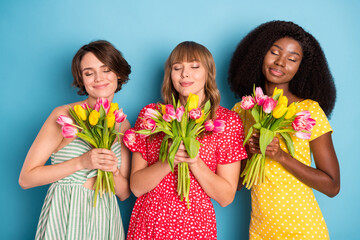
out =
column 185, row 72
column 98, row 77
column 280, row 61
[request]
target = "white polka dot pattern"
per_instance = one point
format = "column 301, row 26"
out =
column 283, row 207
column 160, row 214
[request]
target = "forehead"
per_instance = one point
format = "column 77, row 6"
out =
column 89, row 60
column 289, row 45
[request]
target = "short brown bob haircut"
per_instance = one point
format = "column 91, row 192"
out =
column 191, row 51
column 108, row 55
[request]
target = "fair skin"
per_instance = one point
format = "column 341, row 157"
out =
column 187, row 77
column 99, row 81
column 325, row 177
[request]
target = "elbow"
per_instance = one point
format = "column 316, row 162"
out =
column 23, row 183
column 227, row 201
column 135, row 191
column 334, row 191
column 125, row 196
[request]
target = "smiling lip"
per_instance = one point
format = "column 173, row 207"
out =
column 186, row 84
column 101, row 86
column 276, row 72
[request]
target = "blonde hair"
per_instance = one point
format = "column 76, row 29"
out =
column 189, row 51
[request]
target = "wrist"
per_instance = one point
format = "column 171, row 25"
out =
column 116, row 172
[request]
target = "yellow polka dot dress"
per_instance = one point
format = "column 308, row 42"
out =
column 283, row 207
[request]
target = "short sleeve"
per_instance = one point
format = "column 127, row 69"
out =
column 141, row 142
column 322, row 125
column 230, row 142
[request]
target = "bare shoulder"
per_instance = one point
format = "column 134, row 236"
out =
column 64, row 109
column 125, row 125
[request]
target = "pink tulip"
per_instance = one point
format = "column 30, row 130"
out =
column 69, row 131
column 269, row 105
column 129, row 138
column 310, row 123
column 119, row 116
column 303, row 135
column 195, row 113
column 97, row 107
column 209, row 125
column 168, row 117
column 306, row 114
column 63, row 120
column 259, row 96
column 151, row 113
column 102, row 102
column 148, row 124
column 179, row 113
column 247, row 102
column 303, row 121
column 170, row 110
column 85, row 106
column 219, row 126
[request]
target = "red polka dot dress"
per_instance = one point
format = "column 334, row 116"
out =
column 159, row 214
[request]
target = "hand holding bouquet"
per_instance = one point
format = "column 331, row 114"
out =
column 272, row 115
column 180, row 124
column 98, row 129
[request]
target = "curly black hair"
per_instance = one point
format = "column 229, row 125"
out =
column 313, row 79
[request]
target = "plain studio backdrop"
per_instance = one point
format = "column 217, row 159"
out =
column 39, row 38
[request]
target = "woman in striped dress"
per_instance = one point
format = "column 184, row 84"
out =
column 99, row 70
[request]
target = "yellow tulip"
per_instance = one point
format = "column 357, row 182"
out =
column 291, row 111
column 283, row 100
column 277, row 91
column 80, row 112
column 113, row 107
column 193, row 100
column 94, row 117
column 163, row 109
column 110, row 120
column 279, row 110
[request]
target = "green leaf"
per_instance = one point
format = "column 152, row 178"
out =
column 192, row 146
column 87, row 139
column 144, row 132
column 207, row 106
column 257, row 126
column 164, row 148
column 289, row 143
column 248, row 135
column 175, row 128
column 266, row 136
column 172, row 151
column 190, row 127
column 255, row 114
column 276, row 124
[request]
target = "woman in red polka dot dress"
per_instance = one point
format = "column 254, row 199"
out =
column 158, row 212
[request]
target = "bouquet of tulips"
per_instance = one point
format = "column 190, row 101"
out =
column 272, row 115
column 97, row 127
column 180, row 124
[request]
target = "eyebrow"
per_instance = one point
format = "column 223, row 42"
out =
column 89, row 68
column 289, row 52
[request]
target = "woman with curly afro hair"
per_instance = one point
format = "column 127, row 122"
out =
column 283, row 55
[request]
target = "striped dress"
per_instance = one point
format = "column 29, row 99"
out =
column 68, row 211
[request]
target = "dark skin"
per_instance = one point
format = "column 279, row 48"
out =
column 326, row 176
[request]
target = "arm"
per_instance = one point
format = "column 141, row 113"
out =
column 121, row 176
column 145, row 178
column 220, row 186
column 324, row 178
column 34, row 172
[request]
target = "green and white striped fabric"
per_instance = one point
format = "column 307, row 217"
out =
column 68, row 211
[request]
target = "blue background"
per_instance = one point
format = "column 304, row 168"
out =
column 39, row 38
